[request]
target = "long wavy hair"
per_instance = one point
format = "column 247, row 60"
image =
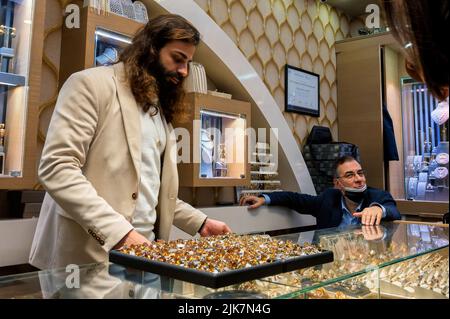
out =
column 142, row 66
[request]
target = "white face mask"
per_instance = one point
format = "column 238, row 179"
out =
column 355, row 194
column 356, row 190
column 440, row 113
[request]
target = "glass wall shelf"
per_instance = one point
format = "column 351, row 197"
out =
column 222, row 156
column 394, row 260
column 17, row 118
column 13, row 80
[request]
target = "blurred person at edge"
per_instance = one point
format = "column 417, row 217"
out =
column 419, row 27
column 109, row 160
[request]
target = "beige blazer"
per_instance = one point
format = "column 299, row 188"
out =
column 90, row 168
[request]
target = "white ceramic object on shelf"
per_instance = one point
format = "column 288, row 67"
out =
column 412, row 187
column 441, row 172
column 108, row 57
column 115, row 6
column 423, row 177
column 140, row 11
column 440, row 113
column 196, row 80
column 128, row 9
column 442, row 158
column 220, row 94
column 421, row 189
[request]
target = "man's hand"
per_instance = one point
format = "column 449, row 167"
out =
column 370, row 215
column 214, row 227
column 252, row 201
column 132, row 238
column 372, row 232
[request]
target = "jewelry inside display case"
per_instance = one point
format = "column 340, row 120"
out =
column 264, row 173
column 426, row 145
column 403, row 261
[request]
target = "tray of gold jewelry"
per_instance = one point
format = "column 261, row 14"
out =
column 219, row 261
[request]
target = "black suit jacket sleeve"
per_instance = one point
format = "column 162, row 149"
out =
column 302, row 203
column 385, row 199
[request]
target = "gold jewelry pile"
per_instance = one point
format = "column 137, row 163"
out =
column 222, row 253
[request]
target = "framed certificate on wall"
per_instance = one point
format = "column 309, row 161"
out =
column 302, row 91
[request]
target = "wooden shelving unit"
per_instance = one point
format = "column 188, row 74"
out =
column 23, row 99
column 189, row 172
column 78, row 44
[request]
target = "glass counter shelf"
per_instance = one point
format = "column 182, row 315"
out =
column 222, row 156
column 370, row 262
column 375, row 262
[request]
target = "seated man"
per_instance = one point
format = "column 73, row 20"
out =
column 351, row 202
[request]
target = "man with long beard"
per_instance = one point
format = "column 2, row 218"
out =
column 109, row 161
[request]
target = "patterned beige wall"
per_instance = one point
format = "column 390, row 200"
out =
column 270, row 33
column 302, row 33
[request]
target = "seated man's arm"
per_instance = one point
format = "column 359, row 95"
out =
column 388, row 205
column 302, row 203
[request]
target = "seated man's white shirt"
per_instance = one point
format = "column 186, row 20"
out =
column 153, row 145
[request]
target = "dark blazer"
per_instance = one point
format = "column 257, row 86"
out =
column 327, row 207
column 389, row 144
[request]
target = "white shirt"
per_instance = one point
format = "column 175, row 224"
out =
column 153, row 145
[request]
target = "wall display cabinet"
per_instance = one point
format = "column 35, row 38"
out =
column 216, row 150
column 99, row 41
column 426, row 145
column 21, row 45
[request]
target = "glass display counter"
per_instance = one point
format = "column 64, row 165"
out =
column 376, row 262
column 394, row 260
